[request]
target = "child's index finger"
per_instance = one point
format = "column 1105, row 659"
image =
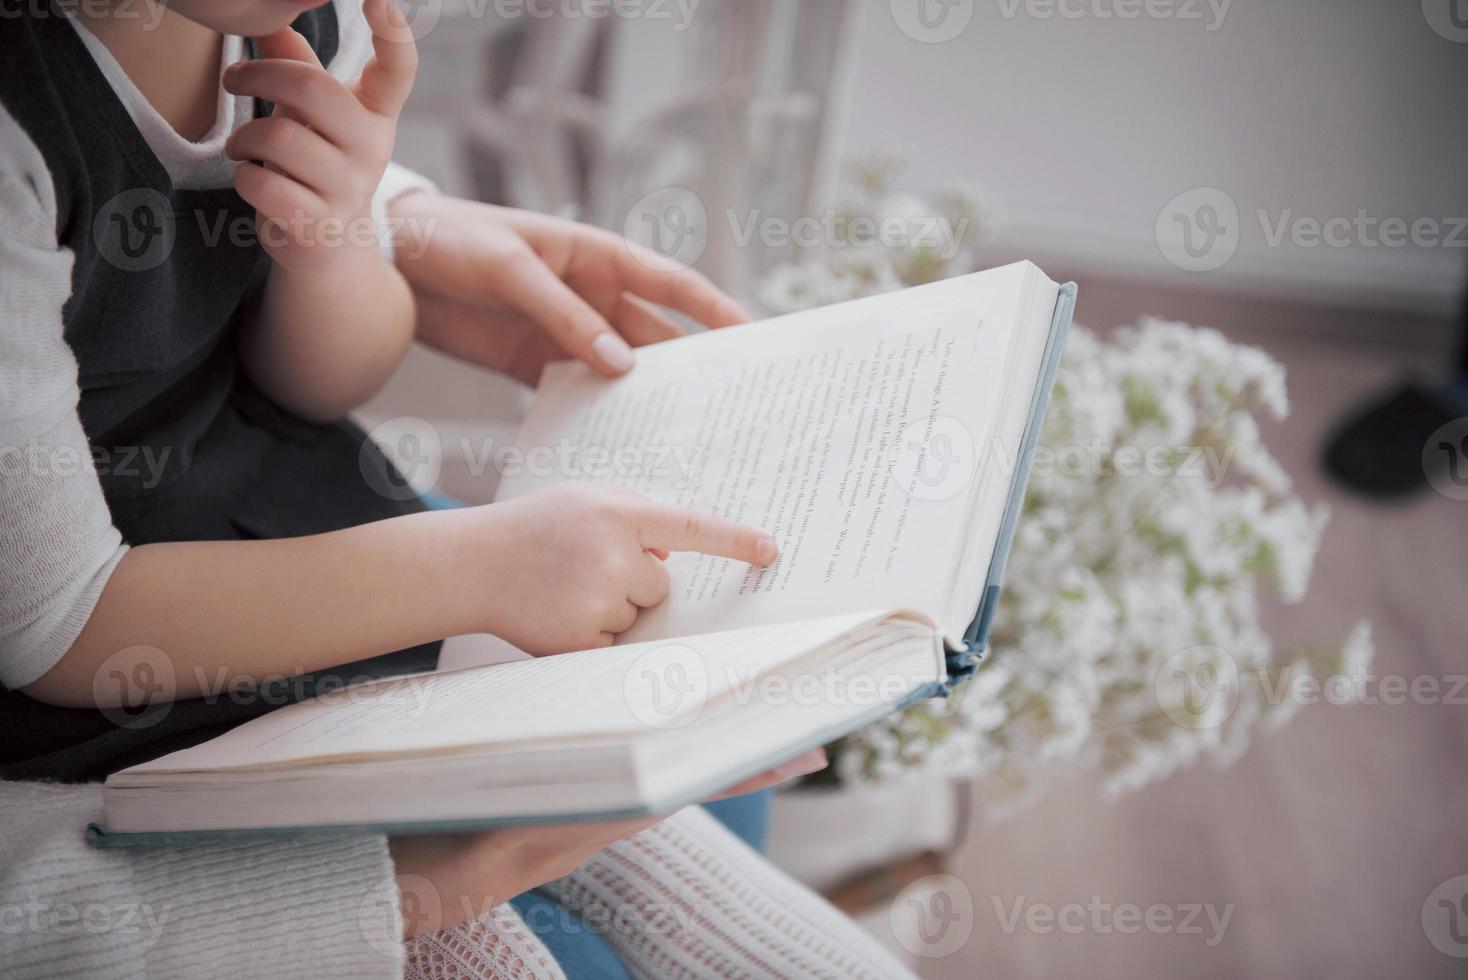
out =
column 666, row 528
column 388, row 77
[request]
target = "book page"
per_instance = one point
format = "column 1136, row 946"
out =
column 853, row 433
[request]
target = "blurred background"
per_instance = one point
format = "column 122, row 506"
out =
column 1294, row 175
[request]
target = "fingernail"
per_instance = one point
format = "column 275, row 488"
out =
column 767, row 550
column 613, row 353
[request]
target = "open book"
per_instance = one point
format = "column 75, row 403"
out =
column 884, row 442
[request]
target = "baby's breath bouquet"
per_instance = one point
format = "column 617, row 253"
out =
column 1155, row 525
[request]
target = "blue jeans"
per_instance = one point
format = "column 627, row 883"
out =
column 580, row 950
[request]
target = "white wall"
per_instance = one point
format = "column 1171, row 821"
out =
column 1088, row 126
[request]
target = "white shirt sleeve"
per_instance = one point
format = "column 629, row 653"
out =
column 57, row 542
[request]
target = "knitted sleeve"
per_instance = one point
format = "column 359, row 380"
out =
column 324, row 907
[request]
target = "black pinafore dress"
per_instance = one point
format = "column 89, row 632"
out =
column 186, row 448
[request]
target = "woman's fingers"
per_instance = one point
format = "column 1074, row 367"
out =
column 305, row 91
column 291, row 148
column 388, row 77
column 802, row 765
column 528, row 284
column 640, row 325
column 667, row 283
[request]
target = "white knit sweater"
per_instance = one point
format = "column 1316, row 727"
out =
column 325, row 907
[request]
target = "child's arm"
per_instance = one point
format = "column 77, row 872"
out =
column 564, row 569
column 335, row 317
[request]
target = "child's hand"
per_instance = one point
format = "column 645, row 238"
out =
column 324, row 149
column 569, row 568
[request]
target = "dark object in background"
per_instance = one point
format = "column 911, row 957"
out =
column 1377, row 450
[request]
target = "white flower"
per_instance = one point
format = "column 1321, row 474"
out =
column 1118, row 571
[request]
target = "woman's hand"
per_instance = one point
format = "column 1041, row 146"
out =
column 446, row 879
column 511, row 290
column 312, row 166
column 570, row 567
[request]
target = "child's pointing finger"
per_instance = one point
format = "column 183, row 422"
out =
column 682, row 529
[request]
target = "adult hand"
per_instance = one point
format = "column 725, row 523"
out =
column 511, row 290
column 447, row 879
